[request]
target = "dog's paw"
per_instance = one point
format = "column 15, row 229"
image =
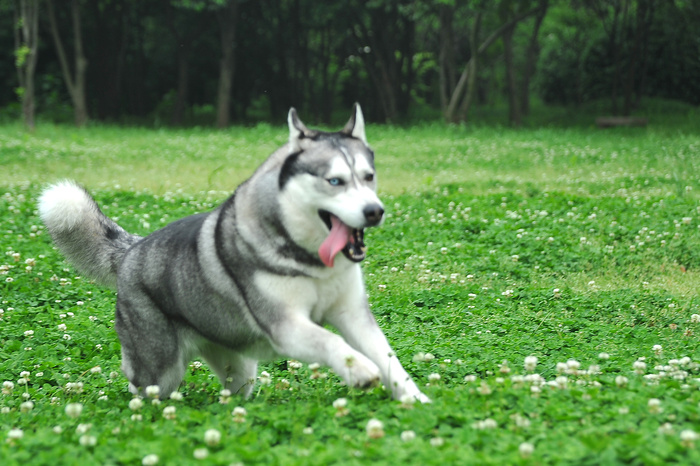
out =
column 361, row 372
column 420, row 396
column 411, row 392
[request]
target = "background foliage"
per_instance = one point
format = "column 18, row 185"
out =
column 159, row 62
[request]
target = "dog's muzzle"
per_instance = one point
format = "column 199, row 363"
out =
column 342, row 238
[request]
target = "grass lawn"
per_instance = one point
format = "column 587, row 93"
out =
column 540, row 284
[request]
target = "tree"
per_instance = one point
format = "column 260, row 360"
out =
column 532, row 53
column 75, row 79
column 186, row 22
column 26, row 53
column 462, row 94
column 517, row 97
column 627, row 24
column 226, row 17
column 385, row 37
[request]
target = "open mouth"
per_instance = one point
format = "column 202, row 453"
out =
column 341, row 238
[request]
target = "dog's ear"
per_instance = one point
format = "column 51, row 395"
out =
column 355, row 126
column 297, row 130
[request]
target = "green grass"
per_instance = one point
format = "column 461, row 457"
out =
column 559, row 243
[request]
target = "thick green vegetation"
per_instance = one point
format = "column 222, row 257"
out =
column 540, row 284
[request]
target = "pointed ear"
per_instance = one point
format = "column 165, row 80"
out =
column 297, row 130
column 355, row 126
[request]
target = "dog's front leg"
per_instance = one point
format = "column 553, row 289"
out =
column 360, row 329
column 297, row 337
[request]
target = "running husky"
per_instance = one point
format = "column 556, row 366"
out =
column 253, row 279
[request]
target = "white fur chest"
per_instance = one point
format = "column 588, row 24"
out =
column 338, row 290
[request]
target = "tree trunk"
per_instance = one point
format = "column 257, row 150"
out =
column 514, row 117
column 183, row 78
column 26, row 50
column 472, row 69
column 227, row 17
column 462, row 83
column 75, row 81
column 446, row 58
column 531, row 56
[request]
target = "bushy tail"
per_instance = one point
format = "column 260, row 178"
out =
column 90, row 241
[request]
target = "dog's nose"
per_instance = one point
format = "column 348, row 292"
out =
column 373, row 214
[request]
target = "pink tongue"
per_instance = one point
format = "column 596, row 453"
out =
column 338, row 237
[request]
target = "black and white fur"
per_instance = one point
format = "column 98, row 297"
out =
column 244, row 282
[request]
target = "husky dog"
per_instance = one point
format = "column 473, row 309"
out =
column 253, row 279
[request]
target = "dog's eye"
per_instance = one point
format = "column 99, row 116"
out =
column 369, row 178
column 336, row 182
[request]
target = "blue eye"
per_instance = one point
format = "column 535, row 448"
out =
column 335, row 182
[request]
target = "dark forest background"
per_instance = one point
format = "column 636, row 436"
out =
column 218, row 62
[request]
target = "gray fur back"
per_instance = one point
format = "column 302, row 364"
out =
column 90, row 241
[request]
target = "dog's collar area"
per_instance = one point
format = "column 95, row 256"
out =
column 355, row 249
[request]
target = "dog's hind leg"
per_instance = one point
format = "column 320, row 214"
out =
column 236, row 372
column 154, row 350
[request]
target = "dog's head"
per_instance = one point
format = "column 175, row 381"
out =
column 330, row 180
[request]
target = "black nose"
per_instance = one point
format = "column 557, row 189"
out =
column 373, row 214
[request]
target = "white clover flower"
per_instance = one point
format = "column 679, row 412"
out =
column 212, row 437
column 294, row 365
column 340, row 406
column 484, row 389
column 176, row 396
column 688, row 435
column 526, row 449
column 149, row 460
column 437, row 442
column 7, row 387
column 83, row 428
column 695, row 318
column 200, row 453
column 96, row 370
column 375, row 429
column 639, row 367
column 88, row 440
column 521, row 421
column 654, row 405
column 408, row 435
column 657, row 349
column 225, row 396
column 561, row 382
column 239, row 413
column 15, row 434
column 573, row 364
column 407, row 401
column 604, row 356
column 153, row 391
column 621, row 381
column 169, row 412
column 485, row 424
column 26, row 406
column 470, row 378
column 308, row 430
column 135, row 404
column 265, row 378
column 666, row 428
column 74, row 409
column 530, row 363
column 434, row 378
